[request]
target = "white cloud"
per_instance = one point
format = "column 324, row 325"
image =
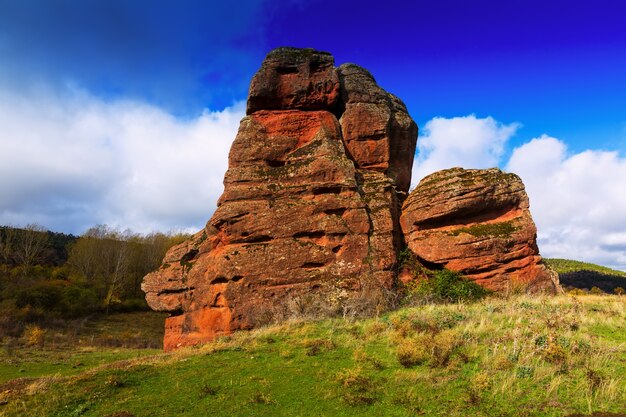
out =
column 466, row 141
column 68, row 162
column 578, row 200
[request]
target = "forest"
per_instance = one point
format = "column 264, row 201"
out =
column 47, row 276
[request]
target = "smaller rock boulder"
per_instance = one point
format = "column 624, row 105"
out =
column 477, row 222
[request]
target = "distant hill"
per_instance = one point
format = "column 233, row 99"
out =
column 585, row 275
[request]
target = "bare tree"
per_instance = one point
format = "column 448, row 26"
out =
column 30, row 244
column 114, row 262
column 101, row 255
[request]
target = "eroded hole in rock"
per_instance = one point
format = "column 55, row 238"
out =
column 259, row 239
column 219, row 301
column 327, row 190
column 219, row 280
column 310, row 235
column 469, row 216
column 175, row 290
column 237, row 278
column 429, row 265
column 189, row 256
column 287, row 70
column 313, row 265
column 175, row 313
column 276, row 163
column 337, row 248
column 336, row 212
column 316, row 66
column 230, row 221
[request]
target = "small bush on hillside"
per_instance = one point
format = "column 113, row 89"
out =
column 479, row 384
column 596, row 291
column 412, row 352
column 445, row 286
column 359, row 389
column 34, row 335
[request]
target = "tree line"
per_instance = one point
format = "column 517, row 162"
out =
column 47, row 275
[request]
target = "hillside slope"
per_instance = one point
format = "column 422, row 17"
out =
column 584, row 275
column 517, row 357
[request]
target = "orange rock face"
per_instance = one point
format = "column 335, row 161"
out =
column 477, row 222
column 300, row 217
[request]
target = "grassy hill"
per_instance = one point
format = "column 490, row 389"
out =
column 522, row 356
column 584, row 275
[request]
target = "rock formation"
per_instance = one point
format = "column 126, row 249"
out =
column 317, row 173
column 476, row 222
column 311, row 208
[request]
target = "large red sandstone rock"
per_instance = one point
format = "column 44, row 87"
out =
column 477, row 222
column 299, row 217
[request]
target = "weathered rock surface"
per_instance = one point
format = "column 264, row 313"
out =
column 377, row 129
column 300, row 215
column 290, row 79
column 476, row 222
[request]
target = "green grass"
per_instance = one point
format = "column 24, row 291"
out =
column 506, row 357
column 80, row 345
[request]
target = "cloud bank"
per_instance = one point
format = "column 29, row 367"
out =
column 74, row 161
column 578, row 200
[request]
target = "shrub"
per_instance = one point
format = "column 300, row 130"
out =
column 46, row 295
column 411, row 352
column 596, row 291
column 359, row 388
column 618, row 291
column 78, row 300
column 446, row 286
column 34, row 335
column 555, row 353
column 130, row 305
column 444, row 345
column 478, row 385
column 316, row 346
column 576, row 292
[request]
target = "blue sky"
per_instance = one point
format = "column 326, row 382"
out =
column 107, row 107
column 553, row 65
